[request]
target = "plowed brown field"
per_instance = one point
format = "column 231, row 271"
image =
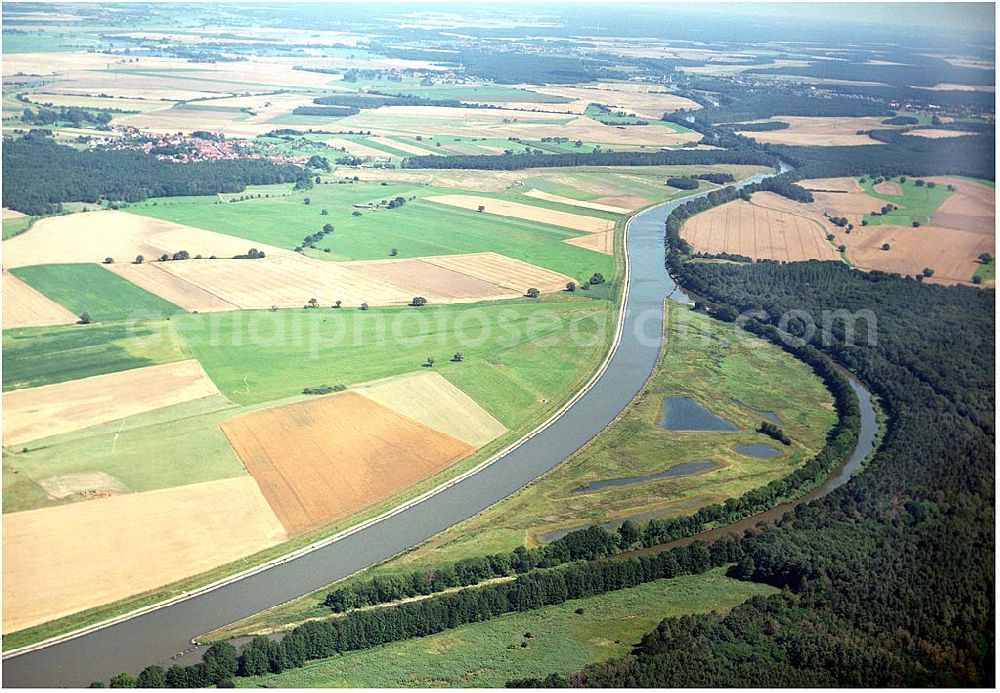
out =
column 436, row 284
column 540, row 195
column 972, row 207
column 952, row 254
column 324, row 459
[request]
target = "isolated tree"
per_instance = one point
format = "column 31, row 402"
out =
column 830, row 237
column 841, row 248
column 313, row 303
column 84, row 319
column 430, row 362
column 109, row 261
column 916, row 224
column 928, row 272
column 324, row 212
column 571, row 286
column 327, row 228
column 306, row 200
column 458, row 358
column 977, row 279
column 139, row 259
column 481, row 208
column 164, row 257
column 886, row 246
column 597, row 278
column 532, row 293
column 337, row 304
column 418, row 301
column 152, row 676
column 363, row 306
column 985, row 258
column 921, row 182
column 393, row 252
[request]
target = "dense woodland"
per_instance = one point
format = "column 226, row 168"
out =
column 40, row 174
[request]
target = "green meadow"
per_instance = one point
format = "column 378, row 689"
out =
column 916, row 204
column 13, row 227
column 35, row 356
column 91, row 289
column 491, row 653
column 417, row 229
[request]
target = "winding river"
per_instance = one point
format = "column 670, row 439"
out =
column 156, row 635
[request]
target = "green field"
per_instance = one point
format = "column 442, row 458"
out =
column 489, row 654
column 257, row 356
column 416, row 229
column 737, row 376
column 34, row 356
column 987, row 272
column 12, row 227
column 87, row 288
column 917, row 203
column 611, row 117
column 176, row 445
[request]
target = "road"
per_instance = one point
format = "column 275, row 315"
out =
column 155, row 636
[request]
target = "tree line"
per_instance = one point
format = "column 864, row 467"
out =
column 888, row 580
column 371, row 628
column 40, row 174
column 515, row 162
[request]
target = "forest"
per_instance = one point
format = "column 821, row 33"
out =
column 40, row 174
column 888, row 581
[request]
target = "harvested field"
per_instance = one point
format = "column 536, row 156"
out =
column 404, row 146
column 93, row 236
column 549, row 197
column 287, row 281
column 630, row 202
column 888, row 188
column 542, row 215
column 641, row 103
column 89, row 483
column 502, row 270
column 952, row 254
column 357, row 149
column 768, row 227
column 48, row 410
column 972, row 207
column 433, row 401
column 324, row 459
column 436, row 284
column 603, row 242
column 156, row 280
column 820, row 132
column 12, row 214
column 23, row 306
column 483, row 181
column 936, row 134
column 58, row 561
column 844, row 184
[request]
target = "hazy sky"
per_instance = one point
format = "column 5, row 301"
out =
column 952, row 15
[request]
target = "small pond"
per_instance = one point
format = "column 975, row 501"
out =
column 758, row 450
column 682, row 469
column 687, row 414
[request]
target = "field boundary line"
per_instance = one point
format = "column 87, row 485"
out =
column 315, row 546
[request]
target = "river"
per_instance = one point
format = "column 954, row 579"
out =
column 157, row 635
